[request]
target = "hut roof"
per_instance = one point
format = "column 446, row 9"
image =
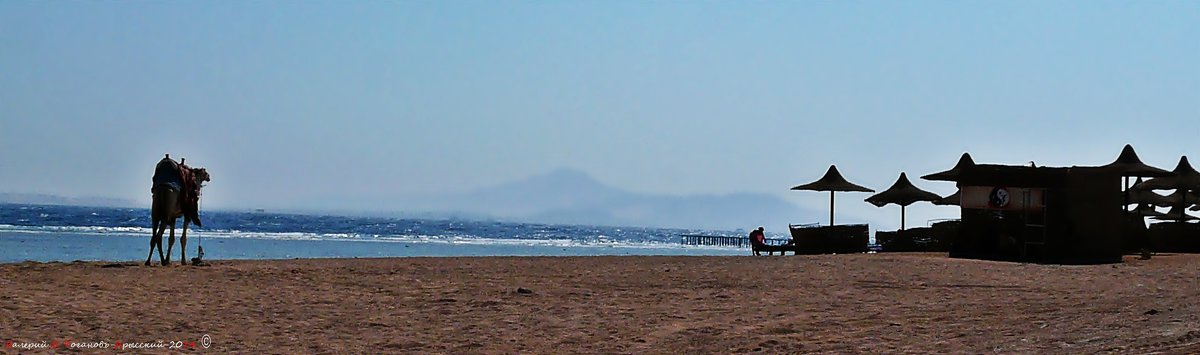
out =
column 1013, row 175
column 952, row 174
column 832, row 181
column 1128, row 164
column 902, row 193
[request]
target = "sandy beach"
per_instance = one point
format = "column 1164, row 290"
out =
column 916, row 303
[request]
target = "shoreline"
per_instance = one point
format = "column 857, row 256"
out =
column 905, row 302
column 67, row 247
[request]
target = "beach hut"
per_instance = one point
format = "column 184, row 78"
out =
column 1039, row 214
column 832, row 238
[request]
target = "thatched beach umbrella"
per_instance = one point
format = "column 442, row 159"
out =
column 1176, row 214
column 832, row 182
column 1146, row 210
column 1177, row 198
column 952, row 175
column 1180, row 198
column 1183, row 177
column 1149, row 197
column 902, row 193
column 1137, row 195
column 955, row 199
column 1128, row 164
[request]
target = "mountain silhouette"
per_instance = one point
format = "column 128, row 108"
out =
column 46, row 199
column 572, row 197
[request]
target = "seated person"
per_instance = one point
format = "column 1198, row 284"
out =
column 758, row 243
column 758, row 237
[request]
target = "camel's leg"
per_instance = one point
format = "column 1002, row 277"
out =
column 158, row 240
column 170, row 244
column 154, row 233
column 183, row 243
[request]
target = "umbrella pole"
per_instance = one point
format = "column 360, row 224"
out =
column 1125, row 187
column 830, row 208
column 901, row 217
column 1182, row 203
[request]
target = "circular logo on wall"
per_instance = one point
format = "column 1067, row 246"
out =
column 999, row 198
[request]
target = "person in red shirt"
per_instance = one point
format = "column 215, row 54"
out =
column 758, row 243
column 758, row 239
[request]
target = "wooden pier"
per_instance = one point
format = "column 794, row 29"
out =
column 723, row 241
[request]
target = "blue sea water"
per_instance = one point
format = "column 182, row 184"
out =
column 68, row 233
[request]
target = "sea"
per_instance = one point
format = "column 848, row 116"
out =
column 47, row 233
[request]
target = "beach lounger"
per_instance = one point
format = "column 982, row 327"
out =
column 771, row 249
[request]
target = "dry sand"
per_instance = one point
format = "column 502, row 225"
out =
column 879, row 303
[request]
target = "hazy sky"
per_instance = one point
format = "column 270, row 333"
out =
column 292, row 103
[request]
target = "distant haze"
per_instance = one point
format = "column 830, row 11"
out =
column 43, row 199
column 692, row 113
column 572, row 197
column 559, row 197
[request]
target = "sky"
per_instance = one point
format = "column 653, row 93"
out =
column 289, row 104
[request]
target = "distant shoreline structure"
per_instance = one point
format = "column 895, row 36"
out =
column 57, row 200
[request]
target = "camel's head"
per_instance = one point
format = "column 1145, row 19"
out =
column 201, row 175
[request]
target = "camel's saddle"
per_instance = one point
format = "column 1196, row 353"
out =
column 178, row 177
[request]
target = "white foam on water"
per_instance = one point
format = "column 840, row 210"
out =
column 75, row 229
column 601, row 241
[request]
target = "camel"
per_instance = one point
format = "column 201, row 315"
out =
column 176, row 194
